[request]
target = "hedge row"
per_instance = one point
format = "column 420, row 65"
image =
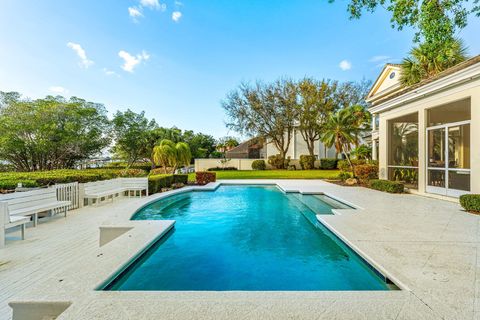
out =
column 157, row 182
column 387, row 186
column 10, row 180
column 123, row 165
column 222, row 169
column 328, row 163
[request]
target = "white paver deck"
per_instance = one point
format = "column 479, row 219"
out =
column 429, row 245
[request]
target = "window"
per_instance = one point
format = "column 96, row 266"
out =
column 403, row 149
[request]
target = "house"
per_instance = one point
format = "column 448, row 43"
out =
column 242, row 156
column 298, row 147
column 251, row 149
column 424, row 134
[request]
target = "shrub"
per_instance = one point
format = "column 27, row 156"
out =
column 157, row 171
column 159, row 181
column 146, row 166
column 470, row 202
column 12, row 184
column 204, row 177
column 222, row 169
column 217, row 155
column 259, row 165
column 45, row 178
column 328, row 163
column 277, row 162
column 307, row 162
column 180, row 178
column 344, row 175
column 345, row 166
column 387, row 185
column 131, row 173
column 366, row 172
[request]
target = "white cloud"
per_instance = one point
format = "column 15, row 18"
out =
column 130, row 61
column 152, row 4
column 84, row 61
column 379, row 58
column 345, row 65
column 109, row 72
column 135, row 13
column 57, row 90
column 176, row 15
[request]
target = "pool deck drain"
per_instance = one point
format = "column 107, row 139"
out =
column 429, row 245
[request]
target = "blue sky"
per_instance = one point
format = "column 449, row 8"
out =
column 177, row 60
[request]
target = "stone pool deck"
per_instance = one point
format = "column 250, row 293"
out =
column 428, row 246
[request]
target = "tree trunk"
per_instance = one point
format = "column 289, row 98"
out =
column 311, row 147
column 350, row 163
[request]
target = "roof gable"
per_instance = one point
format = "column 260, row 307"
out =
column 387, row 81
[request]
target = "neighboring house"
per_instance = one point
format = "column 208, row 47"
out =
column 298, row 147
column 250, row 149
column 422, row 133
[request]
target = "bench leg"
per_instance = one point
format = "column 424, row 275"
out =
column 35, row 219
column 65, row 212
column 23, row 231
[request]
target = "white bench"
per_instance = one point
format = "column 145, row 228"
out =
column 113, row 188
column 7, row 221
column 31, row 203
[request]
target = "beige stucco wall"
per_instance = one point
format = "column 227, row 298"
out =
column 470, row 90
column 240, row 164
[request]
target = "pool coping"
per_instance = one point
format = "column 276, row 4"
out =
column 125, row 250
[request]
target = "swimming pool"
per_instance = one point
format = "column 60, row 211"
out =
column 246, row 238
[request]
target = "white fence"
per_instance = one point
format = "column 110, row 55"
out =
column 68, row 192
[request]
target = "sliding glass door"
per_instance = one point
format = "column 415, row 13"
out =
column 448, row 165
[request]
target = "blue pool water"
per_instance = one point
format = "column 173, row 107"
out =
column 246, row 238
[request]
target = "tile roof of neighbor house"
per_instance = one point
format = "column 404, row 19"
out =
column 463, row 65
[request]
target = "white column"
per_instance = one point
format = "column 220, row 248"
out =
column 422, row 155
column 374, row 149
column 383, row 148
column 475, row 143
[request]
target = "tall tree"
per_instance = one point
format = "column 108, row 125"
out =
column 201, row 145
column 158, row 134
column 226, row 143
column 434, row 20
column 132, row 132
column 316, row 101
column 174, row 155
column 352, row 93
column 50, row 133
column 342, row 132
column 264, row 110
column 426, row 60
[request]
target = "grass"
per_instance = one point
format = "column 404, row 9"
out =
column 273, row 174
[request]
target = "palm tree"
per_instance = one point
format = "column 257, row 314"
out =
column 428, row 59
column 183, row 155
column 342, row 130
column 169, row 154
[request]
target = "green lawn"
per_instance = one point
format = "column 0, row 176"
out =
column 274, row 174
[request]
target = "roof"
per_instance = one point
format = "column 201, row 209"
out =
column 440, row 75
column 381, row 78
